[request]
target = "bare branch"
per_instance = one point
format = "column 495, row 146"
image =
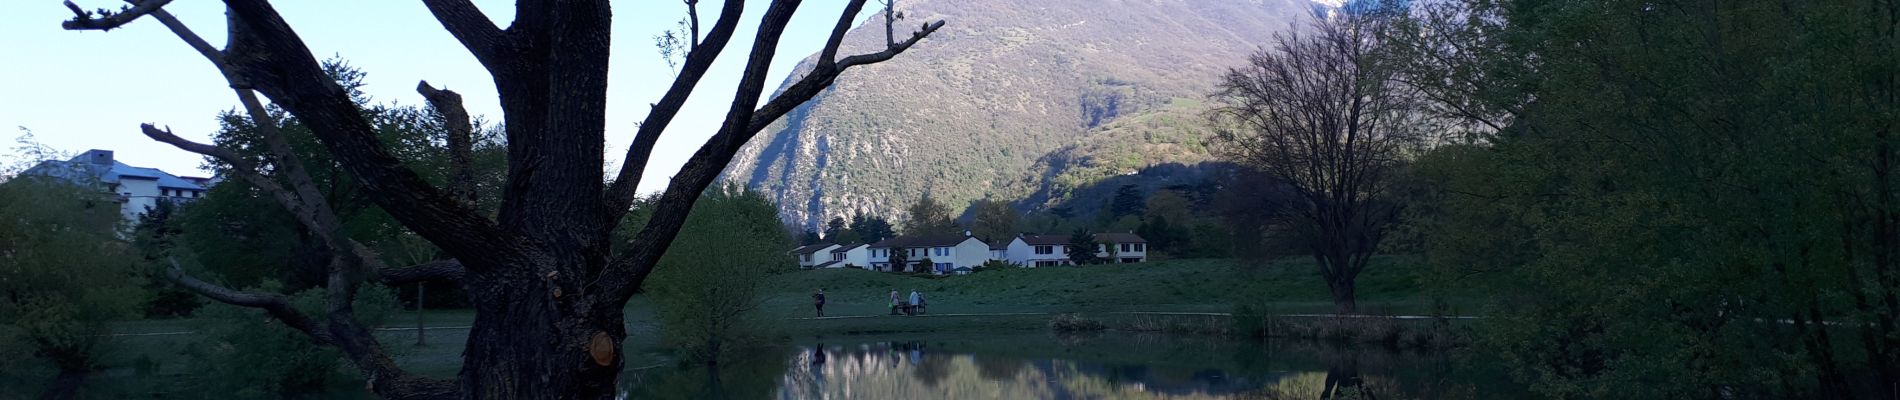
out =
column 622, row 192
column 277, row 63
column 830, row 54
column 197, row 43
column 692, row 14
column 276, row 304
column 449, row 270
column 471, row 27
column 624, row 275
column 461, row 138
column 107, row 20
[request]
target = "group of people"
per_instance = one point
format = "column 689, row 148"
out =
column 899, row 306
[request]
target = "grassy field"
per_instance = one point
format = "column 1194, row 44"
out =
column 1389, row 286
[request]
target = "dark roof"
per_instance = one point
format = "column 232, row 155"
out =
column 1044, row 240
column 811, row 248
column 1119, row 237
column 921, row 241
column 1000, row 245
column 847, row 247
column 827, row 264
column 1112, row 237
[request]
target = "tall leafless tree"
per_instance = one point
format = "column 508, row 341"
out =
column 547, row 288
column 1320, row 113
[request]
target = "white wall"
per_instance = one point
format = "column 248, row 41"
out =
column 970, row 253
column 143, row 194
column 859, row 256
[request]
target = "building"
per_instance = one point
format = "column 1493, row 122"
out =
column 1121, row 248
column 852, row 256
column 139, row 188
column 1053, row 250
column 812, row 255
column 946, row 253
column 960, row 254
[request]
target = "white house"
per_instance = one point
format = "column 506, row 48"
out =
column 855, row 255
column 946, row 253
column 812, row 255
column 139, row 188
column 1052, row 250
column 1121, row 247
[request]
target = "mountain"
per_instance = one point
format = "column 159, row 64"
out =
column 1011, row 100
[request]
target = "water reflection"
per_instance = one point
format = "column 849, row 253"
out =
column 1041, row 366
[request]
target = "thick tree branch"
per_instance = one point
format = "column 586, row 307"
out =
column 461, row 140
column 276, row 62
column 829, row 56
column 624, row 276
column 107, row 20
column 276, row 304
column 471, row 27
column 621, row 193
column 442, row 270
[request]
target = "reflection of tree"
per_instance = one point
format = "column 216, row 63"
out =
column 1343, row 381
column 998, row 368
column 932, row 369
column 753, row 377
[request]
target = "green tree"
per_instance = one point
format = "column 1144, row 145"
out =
column 66, row 275
column 714, row 283
column 1644, row 186
column 871, row 228
column 899, row 259
column 1082, row 247
column 993, row 220
column 1128, row 200
column 929, row 217
column 836, row 229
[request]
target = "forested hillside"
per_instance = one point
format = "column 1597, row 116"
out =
column 1012, row 100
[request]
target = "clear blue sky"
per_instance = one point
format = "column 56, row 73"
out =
column 79, row 90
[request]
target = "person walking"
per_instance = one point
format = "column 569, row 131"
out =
column 916, row 302
column 894, row 302
column 818, row 301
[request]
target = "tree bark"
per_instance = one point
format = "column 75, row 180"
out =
column 1344, row 301
column 526, row 344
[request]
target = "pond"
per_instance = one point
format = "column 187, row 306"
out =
column 1092, row 366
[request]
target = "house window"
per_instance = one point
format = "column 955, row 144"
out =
column 1046, row 263
column 940, row 252
column 1126, row 247
column 805, row 258
column 943, row 267
column 837, row 256
column 1045, row 249
column 1141, row 247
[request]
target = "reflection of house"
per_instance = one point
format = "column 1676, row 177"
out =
column 951, row 254
column 139, row 189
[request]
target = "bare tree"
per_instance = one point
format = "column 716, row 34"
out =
column 547, row 288
column 1320, row 113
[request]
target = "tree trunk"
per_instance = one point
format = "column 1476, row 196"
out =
column 1343, row 300
column 65, row 385
column 528, row 343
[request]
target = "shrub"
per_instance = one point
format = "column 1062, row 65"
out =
column 247, row 355
column 1075, row 323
